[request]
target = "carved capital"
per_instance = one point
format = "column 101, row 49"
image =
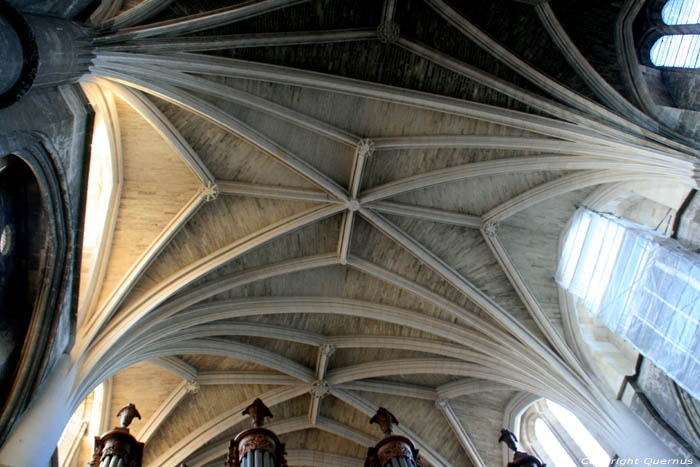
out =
column 210, row 191
column 365, row 147
column 319, row 389
column 326, row 349
column 490, row 228
column 192, row 387
column 389, row 32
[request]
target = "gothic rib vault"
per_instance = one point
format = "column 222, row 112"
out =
column 336, row 207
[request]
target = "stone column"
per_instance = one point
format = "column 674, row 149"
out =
column 38, row 52
column 34, row 437
column 10, row 56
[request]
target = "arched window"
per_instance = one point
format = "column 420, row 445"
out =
column 558, row 437
column 103, row 196
column 678, row 51
column 100, row 183
column 679, row 46
column 551, row 445
column 595, row 454
column 681, row 12
column 643, row 286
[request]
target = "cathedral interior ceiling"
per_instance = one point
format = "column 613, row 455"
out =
column 375, row 209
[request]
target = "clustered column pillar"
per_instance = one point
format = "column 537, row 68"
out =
column 39, row 51
column 258, row 446
column 392, row 451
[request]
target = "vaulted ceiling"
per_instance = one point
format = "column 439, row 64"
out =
column 339, row 205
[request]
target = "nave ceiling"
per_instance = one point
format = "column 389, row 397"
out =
column 365, row 219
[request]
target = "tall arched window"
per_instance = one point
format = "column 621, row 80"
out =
column 679, row 46
column 558, row 437
column 643, row 286
column 103, row 195
column 552, row 446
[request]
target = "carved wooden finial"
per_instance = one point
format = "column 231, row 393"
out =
column 385, row 420
column 258, row 411
column 509, row 438
column 127, row 414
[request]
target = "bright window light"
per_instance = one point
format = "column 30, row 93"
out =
column 681, row 12
column 590, row 252
column 98, row 401
column 591, row 448
column 100, row 192
column 99, row 185
column 551, row 445
column 678, row 51
column 643, row 286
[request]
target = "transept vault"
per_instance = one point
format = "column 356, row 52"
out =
column 333, row 206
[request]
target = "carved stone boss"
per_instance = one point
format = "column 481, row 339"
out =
column 394, row 450
column 257, row 446
column 118, row 447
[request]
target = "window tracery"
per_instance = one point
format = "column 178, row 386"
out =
column 678, row 41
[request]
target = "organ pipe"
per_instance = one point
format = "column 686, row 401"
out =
column 393, row 450
column 257, row 446
column 117, row 447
